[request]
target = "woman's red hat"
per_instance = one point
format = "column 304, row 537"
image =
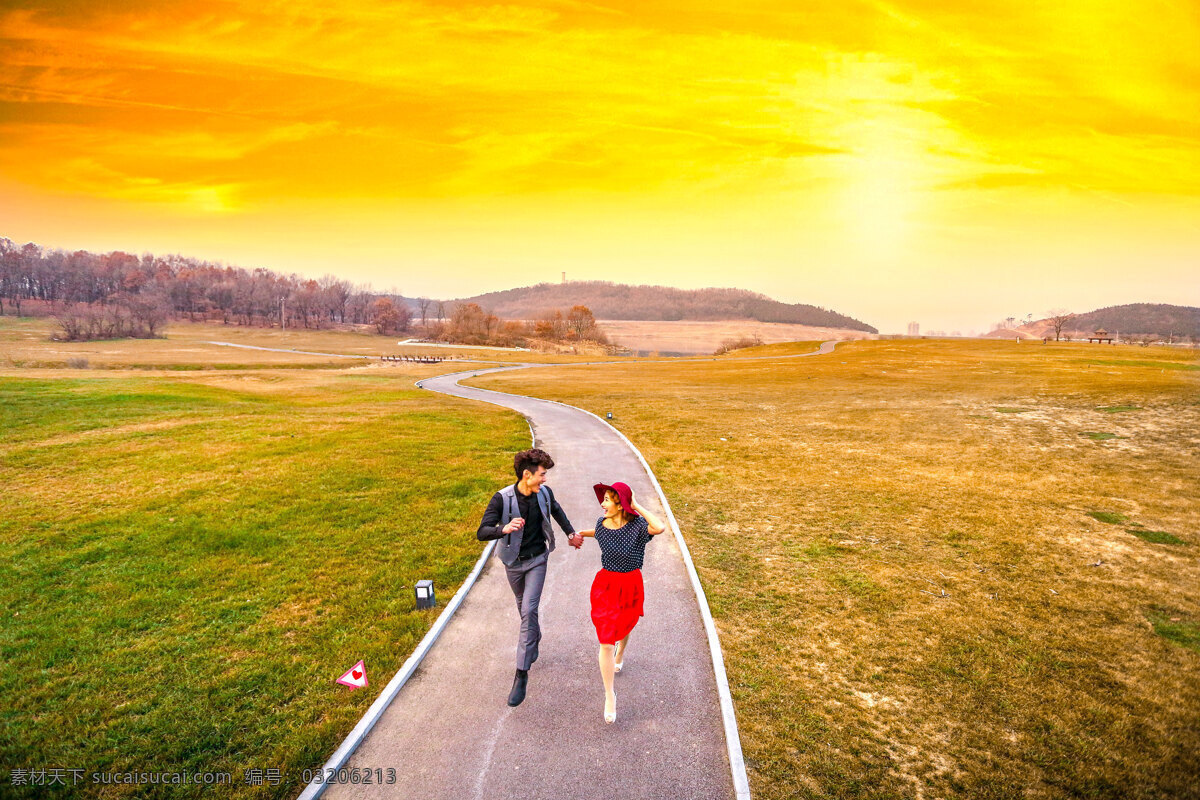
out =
column 624, row 496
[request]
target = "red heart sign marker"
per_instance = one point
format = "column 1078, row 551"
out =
column 355, row 677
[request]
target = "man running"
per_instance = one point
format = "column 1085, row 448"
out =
column 519, row 516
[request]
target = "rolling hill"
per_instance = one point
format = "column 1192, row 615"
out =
column 616, row 301
column 1142, row 318
column 1133, row 319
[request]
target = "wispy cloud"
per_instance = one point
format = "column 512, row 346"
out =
column 523, row 89
column 861, row 129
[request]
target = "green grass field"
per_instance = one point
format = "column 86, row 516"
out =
column 189, row 560
column 932, row 575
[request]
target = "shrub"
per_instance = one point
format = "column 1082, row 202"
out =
column 729, row 345
column 135, row 317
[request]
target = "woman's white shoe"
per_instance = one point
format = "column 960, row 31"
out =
column 611, row 716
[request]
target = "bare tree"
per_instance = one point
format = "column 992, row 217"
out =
column 337, row 296
column 10, row 272
column 1058, row 318
column 423, row 304
column 550, row 325
column 150, row 311
column 359, row 305
column 491, row 324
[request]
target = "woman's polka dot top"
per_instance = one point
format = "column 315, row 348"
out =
column 623, row 549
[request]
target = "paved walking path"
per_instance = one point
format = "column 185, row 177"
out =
column 450, row 734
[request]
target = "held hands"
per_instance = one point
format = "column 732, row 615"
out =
column 517, row 523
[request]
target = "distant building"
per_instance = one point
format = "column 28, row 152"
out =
column 564, row 277
column 914, row 329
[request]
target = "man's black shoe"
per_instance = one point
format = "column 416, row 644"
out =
column 518, row 691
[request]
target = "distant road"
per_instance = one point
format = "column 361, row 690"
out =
column 825, row 348
column 417, row 343
column 285, row 350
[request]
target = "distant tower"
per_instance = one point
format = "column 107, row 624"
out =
column 914, row 329
column 564, row 277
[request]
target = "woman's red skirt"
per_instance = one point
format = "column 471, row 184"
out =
column 616, row 604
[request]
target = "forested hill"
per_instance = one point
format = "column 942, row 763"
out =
column 619, row 301
column 1141, row 318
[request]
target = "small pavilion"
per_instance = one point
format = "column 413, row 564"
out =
column 1100, row 336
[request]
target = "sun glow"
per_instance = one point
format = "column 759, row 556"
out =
column 877, row 206
column 624, row 141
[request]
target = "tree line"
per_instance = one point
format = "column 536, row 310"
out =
column 118, row 294
column 106, row 295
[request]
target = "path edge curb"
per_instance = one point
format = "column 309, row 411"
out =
column 316, row 788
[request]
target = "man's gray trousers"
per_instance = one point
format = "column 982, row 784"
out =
column 526, row 579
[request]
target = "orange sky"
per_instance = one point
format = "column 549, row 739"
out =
column 949, row 163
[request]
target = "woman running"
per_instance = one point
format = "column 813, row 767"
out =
column 617, row 593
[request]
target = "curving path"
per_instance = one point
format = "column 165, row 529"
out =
column 449, row 733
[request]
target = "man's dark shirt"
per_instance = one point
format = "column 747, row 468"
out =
column 531, row 512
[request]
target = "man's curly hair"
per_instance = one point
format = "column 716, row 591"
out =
column 531, row 460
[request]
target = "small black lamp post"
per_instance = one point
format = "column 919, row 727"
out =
column 425, row 595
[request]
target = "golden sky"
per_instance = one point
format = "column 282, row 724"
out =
column 951, row 163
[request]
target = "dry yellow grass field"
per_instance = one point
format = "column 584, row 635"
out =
column 939, row 568
column 26, row 343
column 703, row 337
